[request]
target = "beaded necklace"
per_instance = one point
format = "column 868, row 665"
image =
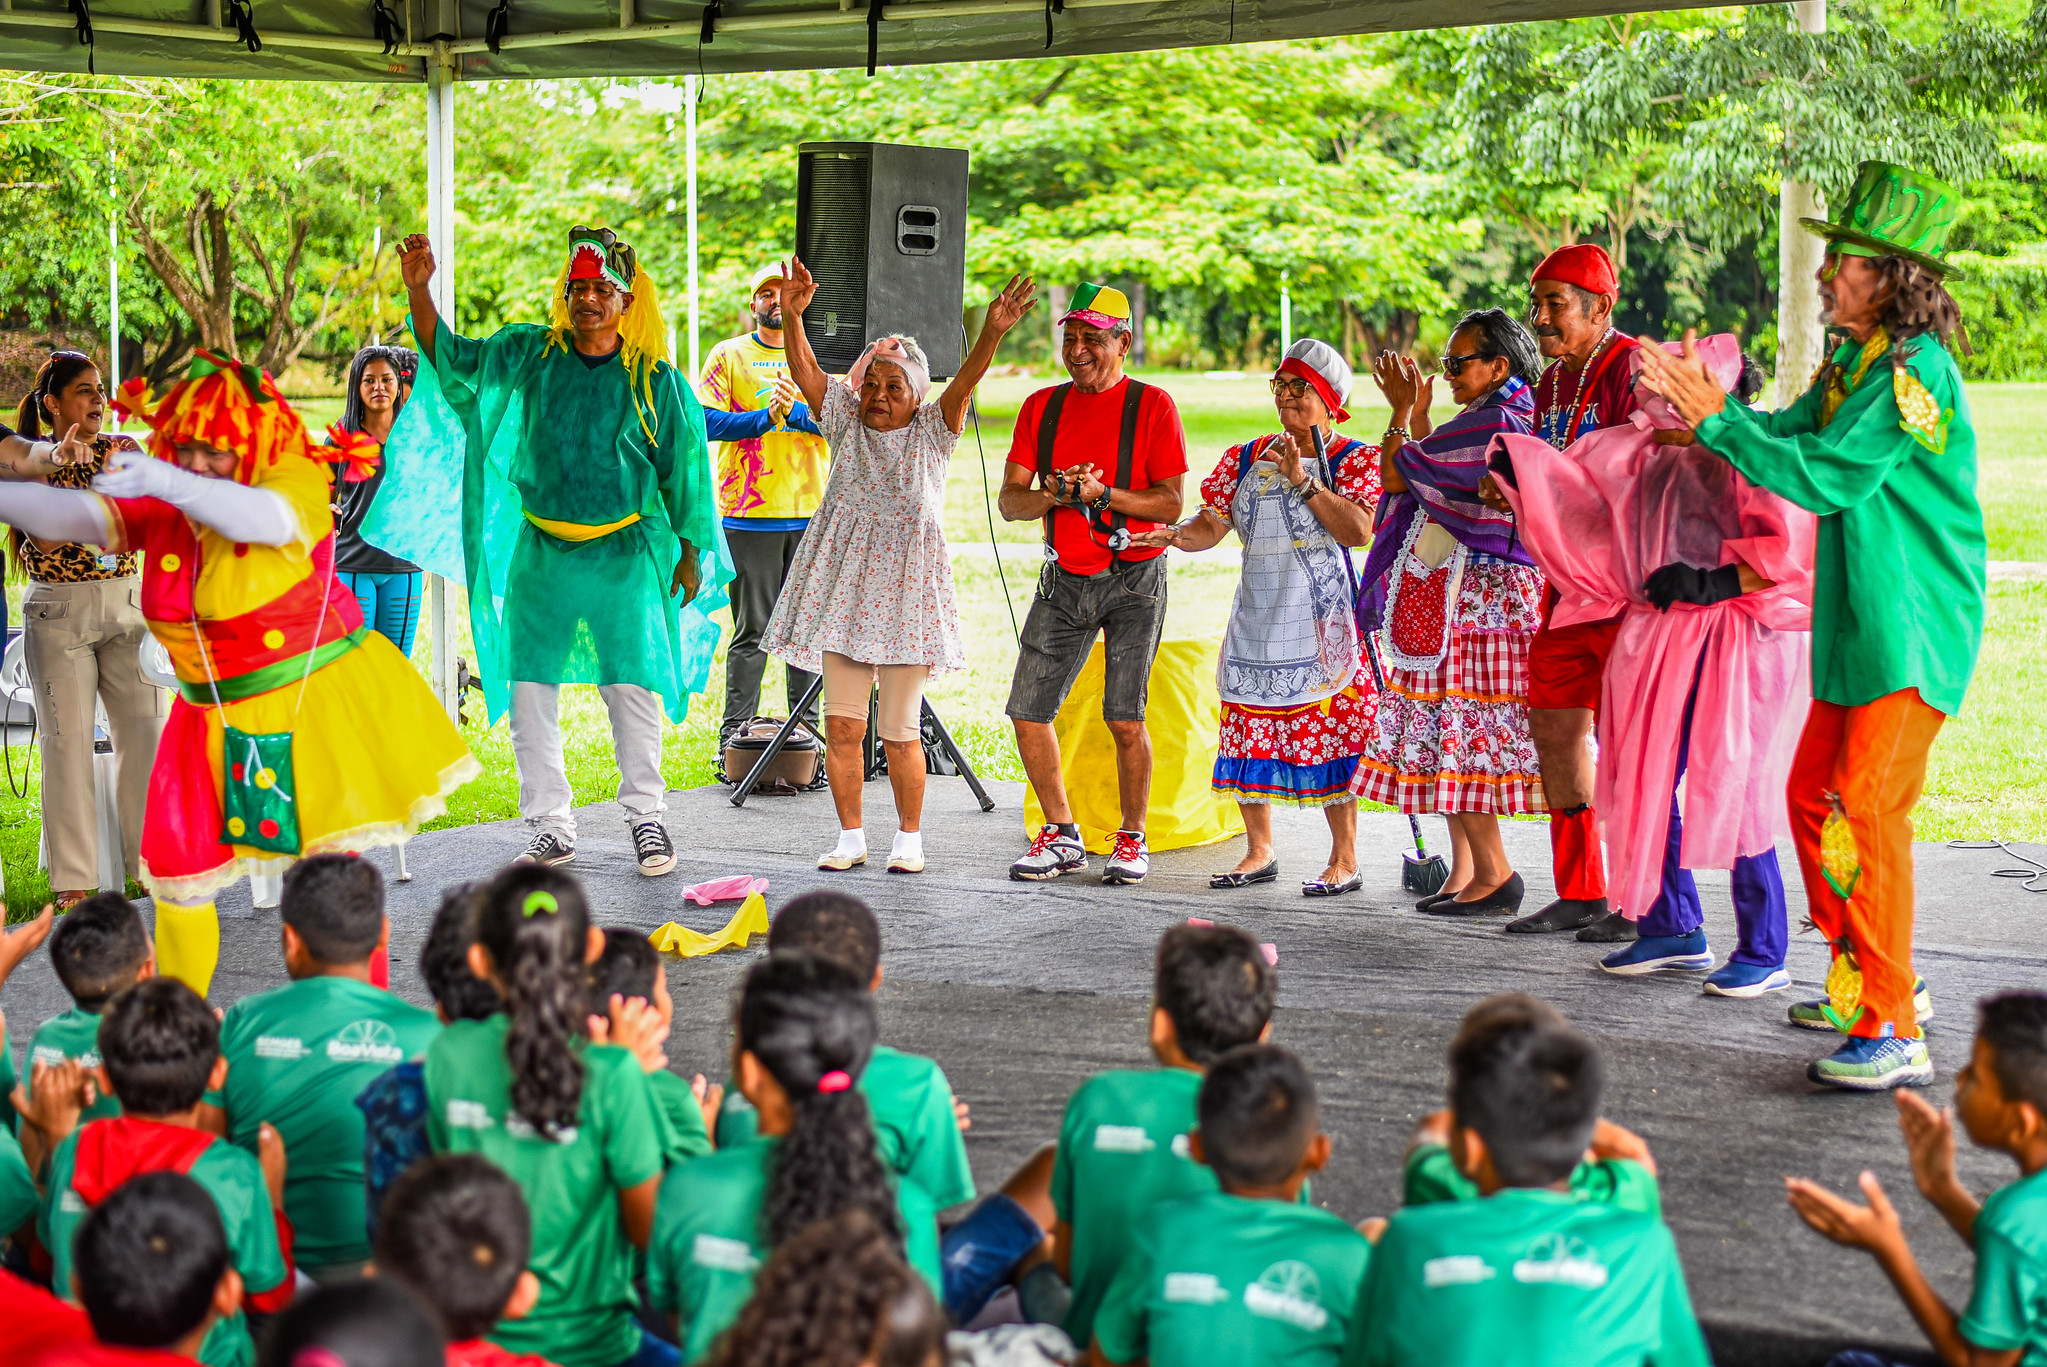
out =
column 1576, row 407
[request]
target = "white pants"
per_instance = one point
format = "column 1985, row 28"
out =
column 545, row 800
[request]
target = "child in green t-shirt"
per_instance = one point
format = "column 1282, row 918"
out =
column 1617, row 1168
column 630, row 970
column 1123, row 1142
column 1527, row 1274
column 152, row 1266
column 917, row 1119
column 99, row 947
column 458, row 1233
column 1246, row 1275
column 572, row 1121
column 805, row 1030
column 160, row 1052
column 2001, row 1096
column 298, row 1055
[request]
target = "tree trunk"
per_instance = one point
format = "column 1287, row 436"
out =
column 1137, row 310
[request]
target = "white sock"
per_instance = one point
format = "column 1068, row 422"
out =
column 908, row 845
column 852, row 843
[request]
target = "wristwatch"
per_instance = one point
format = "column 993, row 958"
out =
column 1308, row 488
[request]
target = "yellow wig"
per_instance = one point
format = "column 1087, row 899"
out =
column 643, row 337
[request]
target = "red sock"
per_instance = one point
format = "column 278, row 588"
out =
column 380, row 968
column 1575, row 854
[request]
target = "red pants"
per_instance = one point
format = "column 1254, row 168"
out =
column 1564, row 668
column 1874, row 758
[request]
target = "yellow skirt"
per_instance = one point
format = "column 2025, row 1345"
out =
column 373, row 757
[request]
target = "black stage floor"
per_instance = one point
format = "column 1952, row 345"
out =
column 1022, row 990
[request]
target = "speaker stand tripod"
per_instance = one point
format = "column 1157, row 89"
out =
column 874, row 760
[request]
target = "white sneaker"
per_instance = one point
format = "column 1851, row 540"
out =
column 1051, row 854
column 1130, row 861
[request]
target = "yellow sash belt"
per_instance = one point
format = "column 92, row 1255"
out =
column 580, row 531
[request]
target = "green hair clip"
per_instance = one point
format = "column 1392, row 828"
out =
column 539, row 901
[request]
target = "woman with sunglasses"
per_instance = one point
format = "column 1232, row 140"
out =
column 82, row 634
column 1453, row 599
column 386, row 587
column 1295, row 686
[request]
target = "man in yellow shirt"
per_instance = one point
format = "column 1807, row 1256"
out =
column 768, row 486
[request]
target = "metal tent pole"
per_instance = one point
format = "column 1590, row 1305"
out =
column 1801, row 337
column 691, row 86
column 440, row 229
column 113, row 276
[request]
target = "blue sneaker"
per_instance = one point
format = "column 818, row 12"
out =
column 1874, row 1065
column 1734, row 979
column 1661, row 954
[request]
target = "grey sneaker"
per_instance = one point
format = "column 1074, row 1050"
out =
column 1130, row 861
column 547, row 848
column 1051, row 854
column 653, row 849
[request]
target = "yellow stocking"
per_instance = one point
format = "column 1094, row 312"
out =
column 187, row 943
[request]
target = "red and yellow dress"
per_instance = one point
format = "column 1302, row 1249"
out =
column 264, row 640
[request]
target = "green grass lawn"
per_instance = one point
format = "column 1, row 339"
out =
column 1986, row 777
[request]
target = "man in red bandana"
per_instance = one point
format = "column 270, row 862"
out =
column 1589, row 384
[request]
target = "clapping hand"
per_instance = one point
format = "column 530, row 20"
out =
column 1930, row 1139
column 1874, row 1227
column 1683, row 381
column 783, row 398
column 1400, row 379
column 797, row 289
column 635, row 1025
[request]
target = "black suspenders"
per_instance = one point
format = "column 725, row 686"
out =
column 1126, row 451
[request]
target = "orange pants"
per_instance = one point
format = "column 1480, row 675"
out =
column 1874, row 758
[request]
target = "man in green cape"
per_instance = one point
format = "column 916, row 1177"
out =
column 1880, row 447
column 588, row 533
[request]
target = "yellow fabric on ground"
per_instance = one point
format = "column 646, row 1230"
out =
column 750, row 919
column 1183, row 717
column 187, row 943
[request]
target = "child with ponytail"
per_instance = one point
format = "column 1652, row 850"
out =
column 806, row 1028
column 572, row 1122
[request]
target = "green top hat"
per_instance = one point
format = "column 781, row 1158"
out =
column 1893, row 211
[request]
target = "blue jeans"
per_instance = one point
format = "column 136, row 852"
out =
column 1762, row 928
column 654, row 1353
column 979, row 1253
column 389, row 602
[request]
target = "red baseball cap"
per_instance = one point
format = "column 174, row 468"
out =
column 1584, row 264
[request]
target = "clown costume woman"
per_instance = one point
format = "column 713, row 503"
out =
column 296, row 730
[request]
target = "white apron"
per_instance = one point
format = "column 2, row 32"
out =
column 1293, row 636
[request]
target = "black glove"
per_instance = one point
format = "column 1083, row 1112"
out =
column 1680, row 583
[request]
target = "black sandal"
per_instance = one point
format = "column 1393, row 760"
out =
column 1504, row 900
column 1269, row 873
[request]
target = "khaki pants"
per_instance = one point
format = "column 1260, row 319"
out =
column 84, row 643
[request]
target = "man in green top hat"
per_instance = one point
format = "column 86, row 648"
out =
column 1880, row 447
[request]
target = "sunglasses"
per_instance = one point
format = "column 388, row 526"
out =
column 1289, row 387
column 1454, row 365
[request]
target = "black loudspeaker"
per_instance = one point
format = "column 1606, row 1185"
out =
column 883, row 229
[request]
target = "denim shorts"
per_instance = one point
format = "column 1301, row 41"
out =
column 980, row 1252
column 1126, row 604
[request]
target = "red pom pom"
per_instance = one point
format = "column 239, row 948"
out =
column 238, row 773
column 268, row 827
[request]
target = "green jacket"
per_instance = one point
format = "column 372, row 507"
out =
column 1882, row 449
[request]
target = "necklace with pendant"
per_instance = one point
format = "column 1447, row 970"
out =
column 1562, row 439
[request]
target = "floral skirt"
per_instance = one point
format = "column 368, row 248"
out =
column 1303, row 756
column 1454, row 737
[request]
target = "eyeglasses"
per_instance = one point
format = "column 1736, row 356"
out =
column 1289, row 387
column 1452, row 365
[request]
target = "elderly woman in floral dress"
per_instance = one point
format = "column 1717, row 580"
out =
column 869, row 594
column 1453, row 601
column 1295, row 684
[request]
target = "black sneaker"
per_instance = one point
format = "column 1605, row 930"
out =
column 653, row 849
column 547, row 848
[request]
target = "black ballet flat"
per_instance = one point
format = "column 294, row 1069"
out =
column 1434, row 899
column 1503, row 900
column 1267, row 874
column 1316, row 887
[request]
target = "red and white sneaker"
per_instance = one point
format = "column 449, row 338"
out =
column 1051, row 854
column 1130, row 861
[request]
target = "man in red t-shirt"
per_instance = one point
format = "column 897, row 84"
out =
column 1588, row 385
column 1098, row 460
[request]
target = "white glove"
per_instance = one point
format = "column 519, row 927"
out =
column 238, row 512
column 135, row 474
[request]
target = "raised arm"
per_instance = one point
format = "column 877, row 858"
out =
column 23, row 458
column 416, row 268
column 1004, row 312
column 797, row 290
